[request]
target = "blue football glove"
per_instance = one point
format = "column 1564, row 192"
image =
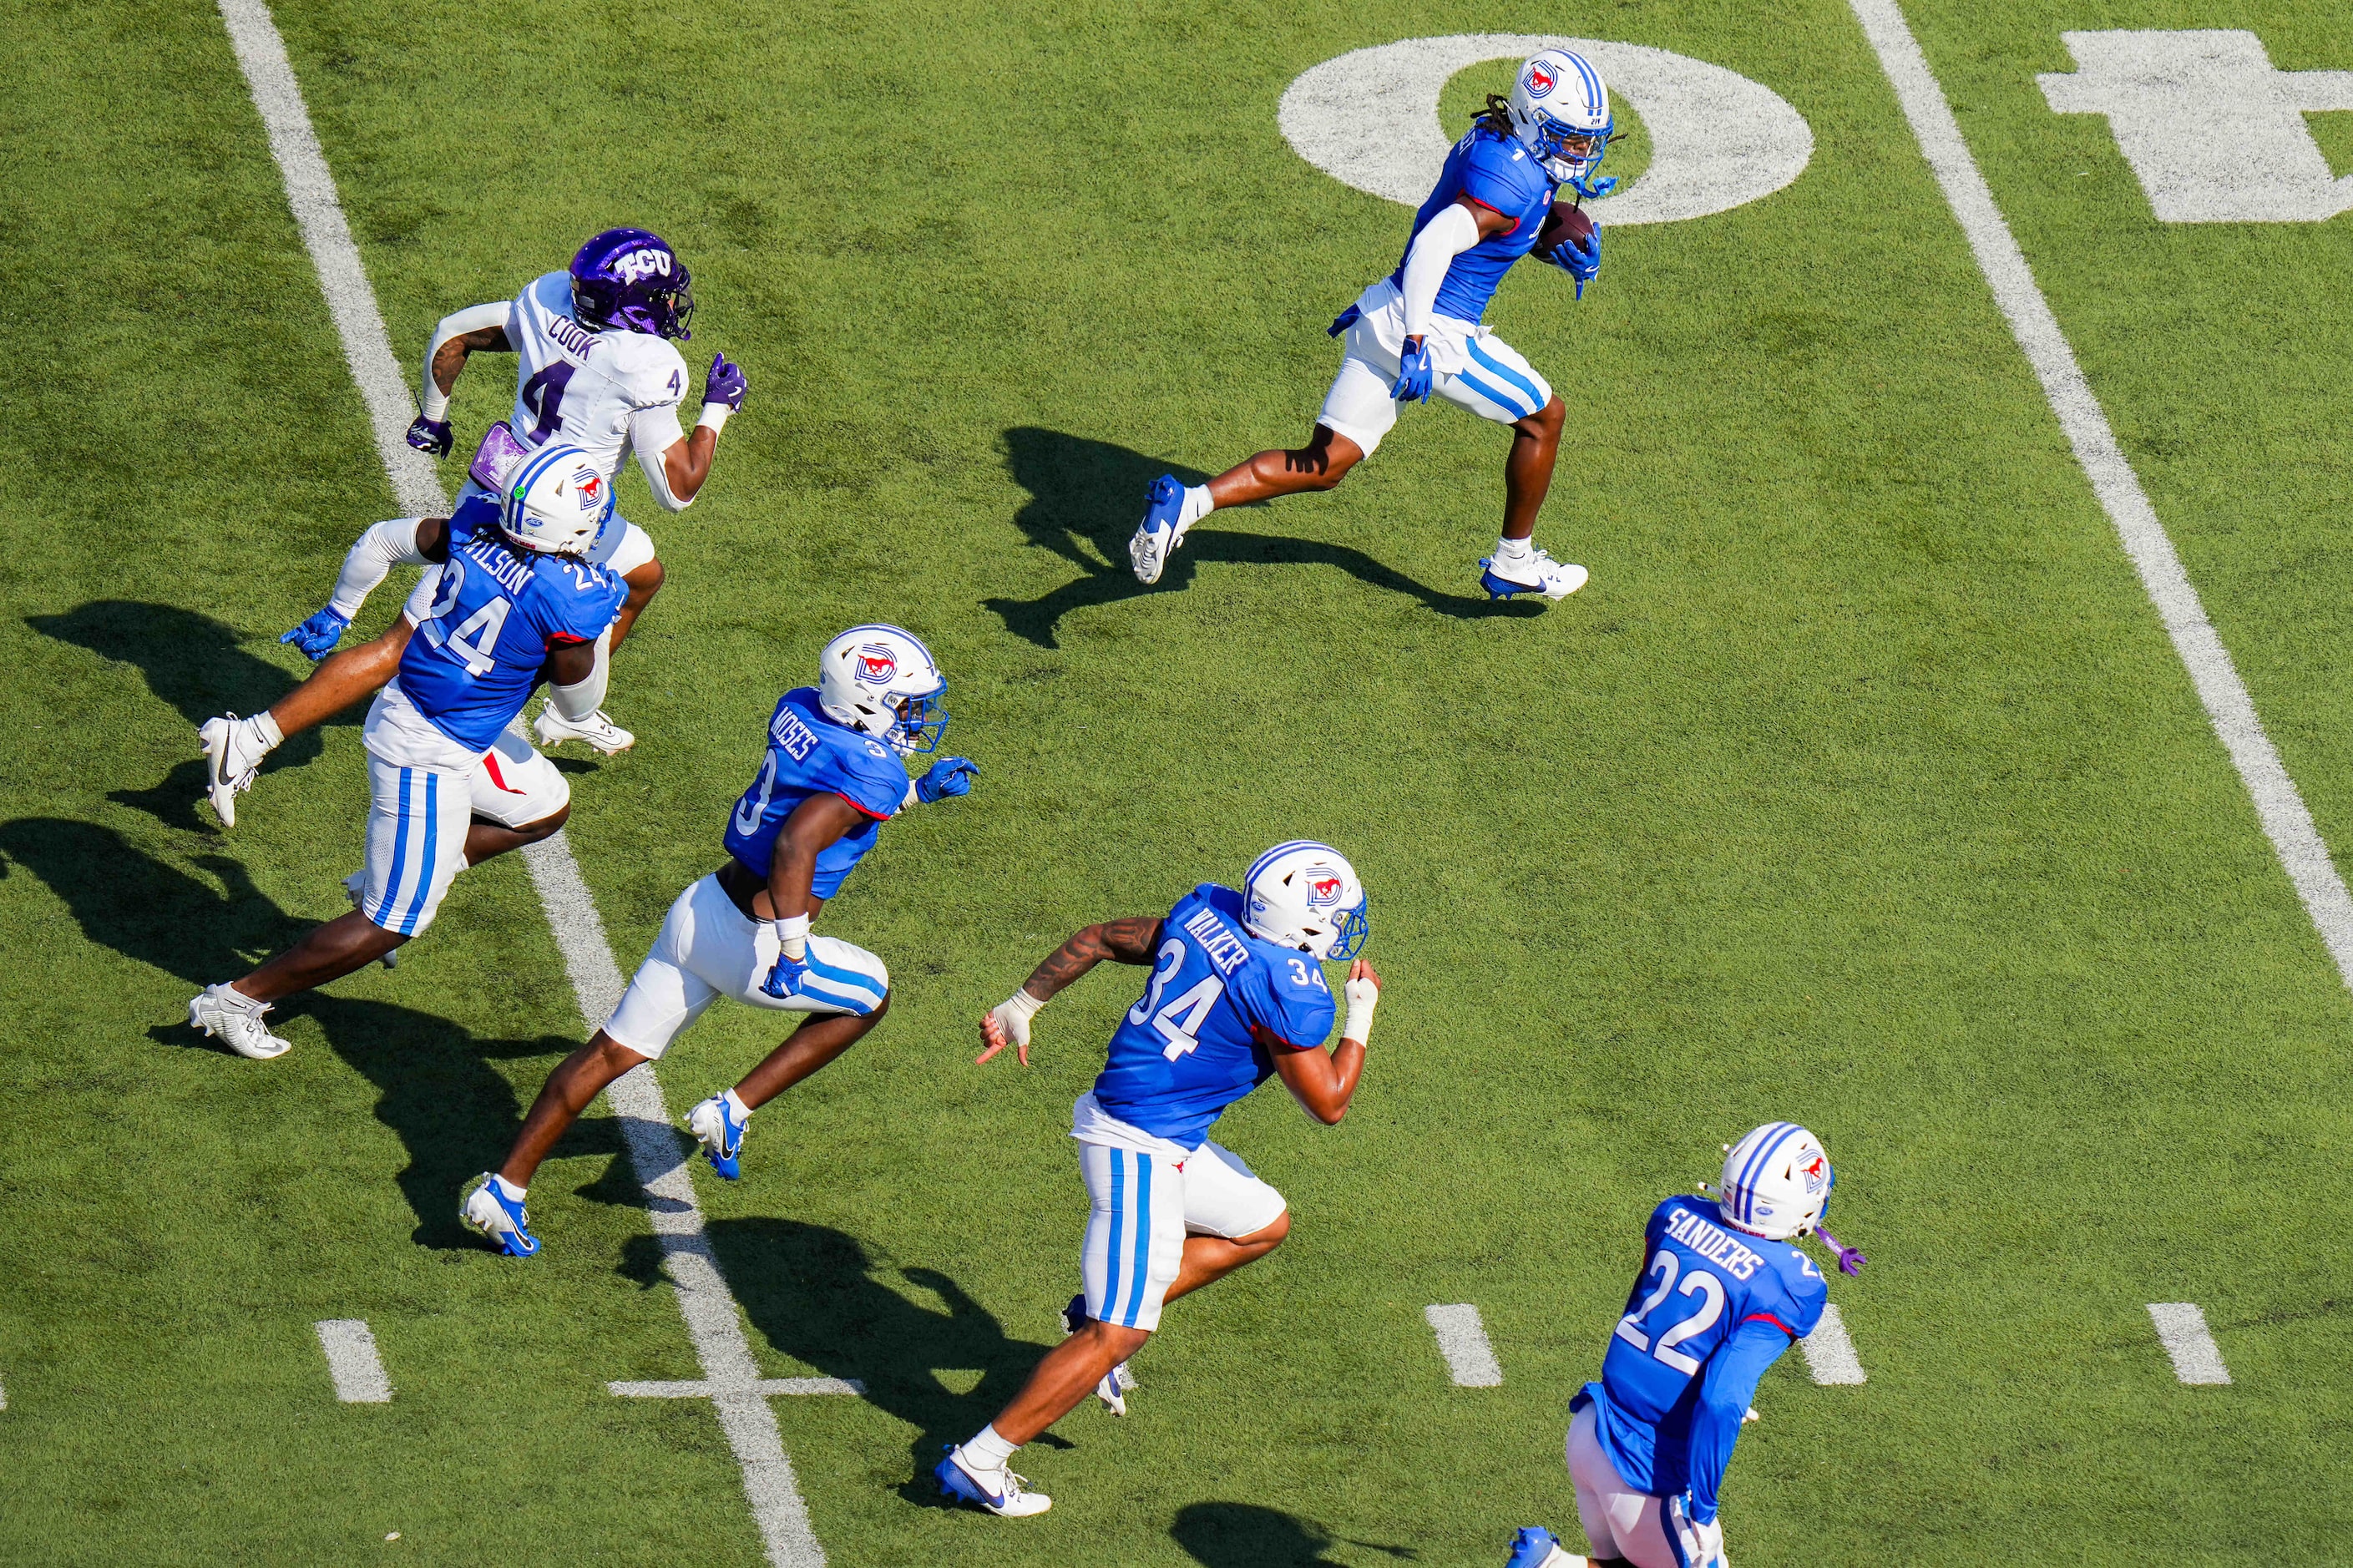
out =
column 784, row 979
column 318, row 636
column 431, row 436
column 949, row 776
column 1579, row 264
column 1413, row 372
column 725, row 384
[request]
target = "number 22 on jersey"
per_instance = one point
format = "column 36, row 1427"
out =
column 1636, row 1329
column 1179, row 1022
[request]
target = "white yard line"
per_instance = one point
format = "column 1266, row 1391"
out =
column 2229, row 708
column 768, row 1385
column 713, row 1320
column 1462, row 1341
column 2181, row 1325
column 4, row 1398
column 1830, row 1355
column 352, row 1363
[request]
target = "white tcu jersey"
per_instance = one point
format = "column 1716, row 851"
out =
column 604, row 392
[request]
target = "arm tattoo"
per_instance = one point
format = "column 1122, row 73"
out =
column 1126, row 941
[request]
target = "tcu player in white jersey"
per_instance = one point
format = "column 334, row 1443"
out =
column 597, row 370
column 1237, row 997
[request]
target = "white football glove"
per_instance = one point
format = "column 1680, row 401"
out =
column 1700, row 1545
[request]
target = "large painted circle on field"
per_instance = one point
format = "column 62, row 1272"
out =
column 1369, row 119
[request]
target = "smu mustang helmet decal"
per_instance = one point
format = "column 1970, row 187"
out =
column 881, row 681
column 1306, row 895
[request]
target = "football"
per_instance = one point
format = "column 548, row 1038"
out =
column 1566, row 221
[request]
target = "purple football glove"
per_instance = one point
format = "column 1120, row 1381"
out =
column 430, row 437
column 725, row 384
column 318, row 636
column 1849, row 1261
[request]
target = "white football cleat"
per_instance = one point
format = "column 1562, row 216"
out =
column 1000, row 1491
column 227, row 1014
column 1160, row 533
column 1535, row 573
column 233, row 754
column 553, row 729
column 355, row 890
column 1112, row 1389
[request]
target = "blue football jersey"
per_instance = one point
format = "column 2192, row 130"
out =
column 1494, row 171
column 1713, row 1309
column 496, row 616
column 1219, row 1004
column 808, row 754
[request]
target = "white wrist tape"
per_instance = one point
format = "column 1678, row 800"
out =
column 792, row 936
column 715, row 418
column 1363, row 997
column 1024, row 1006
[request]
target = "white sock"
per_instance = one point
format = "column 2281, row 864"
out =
column 1197, row 505
column 1514, row 549
column 735, row 1107
column 987, row 1451
column 265, row 730
column 514, row 1194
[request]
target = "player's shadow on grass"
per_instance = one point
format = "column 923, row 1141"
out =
column 200, row 668
column 452, row 1112
column 1245, row 1535
column 817, row 1298
column 1086, row 497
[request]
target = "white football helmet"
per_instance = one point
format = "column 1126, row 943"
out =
column 556, row 502
column 1306, row 895
column 1561, row 111
column 882, row 681
column 1776, row 1183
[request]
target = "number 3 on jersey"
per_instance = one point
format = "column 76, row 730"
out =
column 1179, row 1022
column 1698, row 1282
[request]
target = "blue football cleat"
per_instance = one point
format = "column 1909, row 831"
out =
column 722, row 1135
column 1160, row 533
column 1536, row 572
column 488, row 1211
column 1536, row 1547
column 1006, row 1499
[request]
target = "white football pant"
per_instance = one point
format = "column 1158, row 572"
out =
column 1145, row 1206
column 1472, row 368
column 708, row 950
column 1618, row 1521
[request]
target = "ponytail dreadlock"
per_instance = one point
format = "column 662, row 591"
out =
column 1497, row 116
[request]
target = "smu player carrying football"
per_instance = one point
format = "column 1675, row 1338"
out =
column 1724, row 1291
column 595, row 370
column 831, row 777
column 515, row 604
column 1420, row 330
column 1237, row 997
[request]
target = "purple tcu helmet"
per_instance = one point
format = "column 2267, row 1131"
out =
column 630, row 277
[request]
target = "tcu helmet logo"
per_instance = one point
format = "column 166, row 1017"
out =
column 591, row 486
column 1322, row 889
column 639, row 264
column 876, row 664
column 1540, row 79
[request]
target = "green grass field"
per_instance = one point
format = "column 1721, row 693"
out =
column 1861, row 786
